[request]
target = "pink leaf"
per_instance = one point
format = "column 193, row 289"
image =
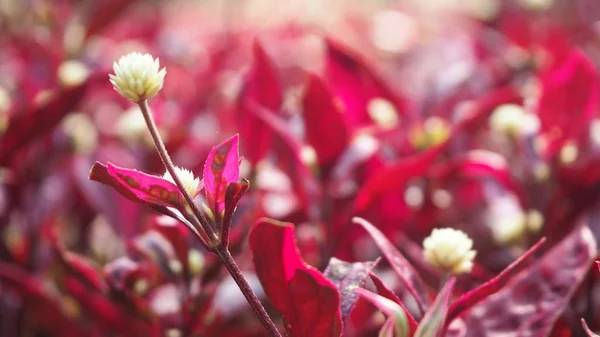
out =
column 346, row 277
column 221, row 169
column 490, row 287
column 389, row 308
column 587, row 329
column 401, row 266
column 432, row 324
column 137, row 186
column 389, row 294
column 309, row 302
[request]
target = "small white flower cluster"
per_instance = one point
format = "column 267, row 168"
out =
column 189, row 181
column 513, row 120
column 137, row 77
column 449, row 250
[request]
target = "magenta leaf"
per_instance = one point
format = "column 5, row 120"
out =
column 490, row 287
column 540, row 292
column 587, row 329
column 326, row 130
column 138, row 186
column 432, row 324
column 309, row 302
column 347, row 276
column 261, row 87
column 391, row 309
column 569, row 111
column 401, row 266
column 221, row 169
column 386, row 292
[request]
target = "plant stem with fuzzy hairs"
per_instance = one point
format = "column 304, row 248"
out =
column 203, row 223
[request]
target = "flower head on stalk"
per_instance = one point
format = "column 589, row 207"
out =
column 137, row 77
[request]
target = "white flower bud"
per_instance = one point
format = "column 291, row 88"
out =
column 449, row 250
column 137, row 77
column 189, row 181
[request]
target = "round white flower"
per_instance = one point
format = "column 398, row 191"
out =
column 137, row 77
column 449, row 250
column 189, row 181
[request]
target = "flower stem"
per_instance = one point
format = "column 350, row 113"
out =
column 166, row 159
column 226, row 258
column 200, row 220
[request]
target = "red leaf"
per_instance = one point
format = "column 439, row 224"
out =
column 490, row 287
column 290, row 160
column 568, row 111
column 396, row 175
column 308, row 301
column 401, row 266
column 356, row 84
column 137, row 186
column 346, row 277
column 541, row 291
column 46, row 310
column 104, row 312
column 326, row 130
column 39, row 119
column 389, row 294
column 221, row 169
column 260, row 87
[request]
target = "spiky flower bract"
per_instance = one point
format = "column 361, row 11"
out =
column 449, row 250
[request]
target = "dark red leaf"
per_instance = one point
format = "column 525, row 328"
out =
column 234, row 193
column 221, row 169
column 261, row 87
column 347, row 276
column 540, row 292
column 401, row 266
column 326, row 130
column 490, row 287
column 308, row 301
column 107, row 315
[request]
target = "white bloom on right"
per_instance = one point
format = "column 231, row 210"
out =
column 449, row 250
column 189, row 181
column 137, row 77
